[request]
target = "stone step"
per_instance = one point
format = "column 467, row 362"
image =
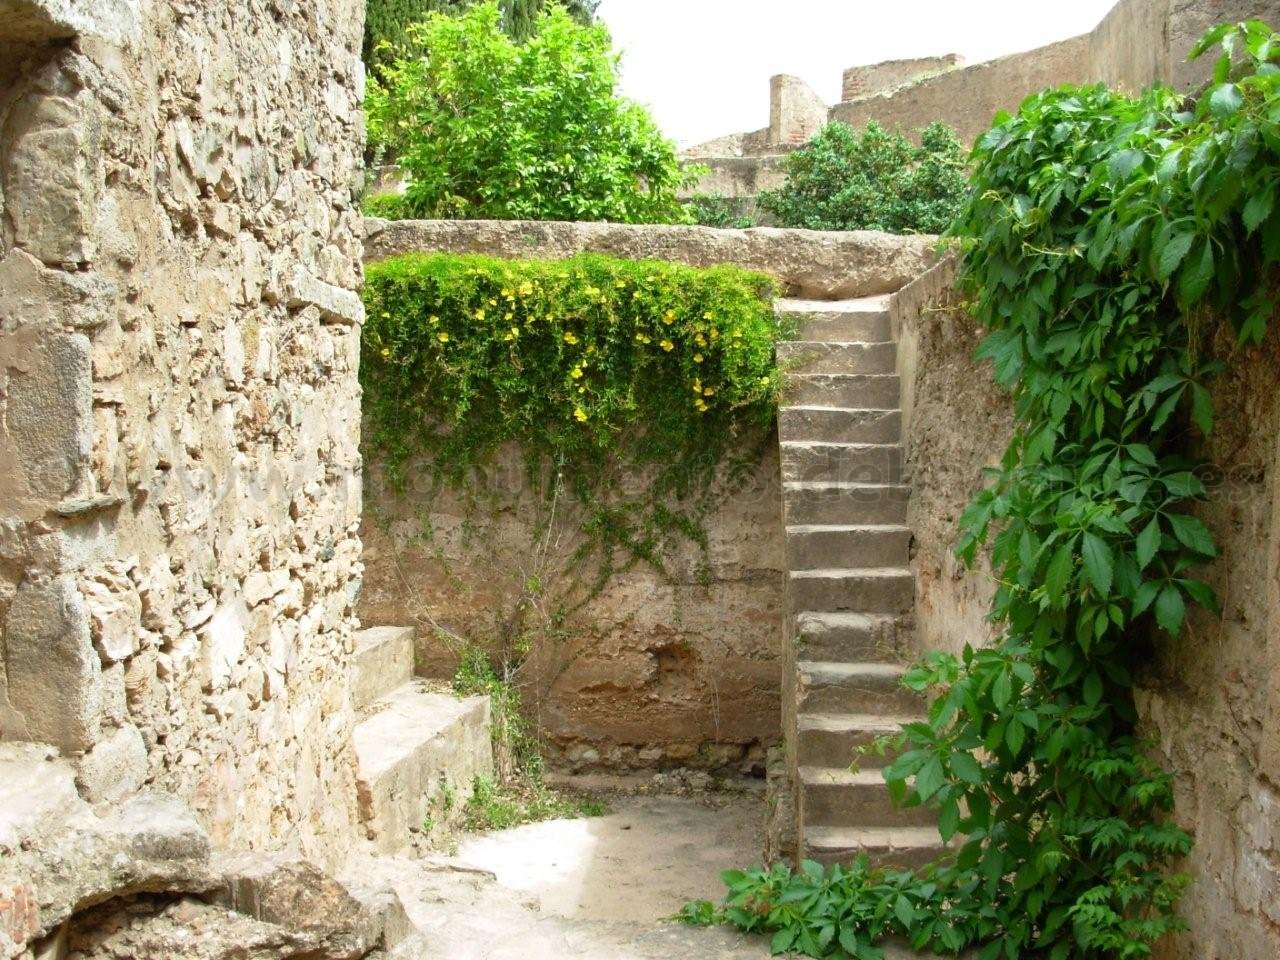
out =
column 898, row 848
column 834, row 739
column 839, row 320
column 852, row 590
column 837, row 796
column 851, row 637
column 863, row 463
column 827, row 686
column 419, row 754
column 815, row 356
column 881, row 391
column 384, row 661
column 821, row 502
column 811, row 546
column 840, row 424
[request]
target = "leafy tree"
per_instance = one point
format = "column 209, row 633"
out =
column 387, row 21
column 488, row 127
column 872, row 180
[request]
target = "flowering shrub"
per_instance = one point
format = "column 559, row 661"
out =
column 590, row 363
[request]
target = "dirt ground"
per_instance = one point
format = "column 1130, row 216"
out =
column 592, row 889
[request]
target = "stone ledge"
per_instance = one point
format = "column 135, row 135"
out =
column 40, row 21
column 822, row 265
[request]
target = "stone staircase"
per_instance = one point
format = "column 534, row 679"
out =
column 850, row 592
column 418, row 753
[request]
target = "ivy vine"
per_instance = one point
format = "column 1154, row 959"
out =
column 1105, row 238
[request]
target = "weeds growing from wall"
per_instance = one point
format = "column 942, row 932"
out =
column 1103, row 237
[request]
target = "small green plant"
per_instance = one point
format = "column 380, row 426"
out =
column 518, row 795
column 844, row 179
column 495, row 806
column 713, row 210
column 486, row 127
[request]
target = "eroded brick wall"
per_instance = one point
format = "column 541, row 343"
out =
column 179, row 415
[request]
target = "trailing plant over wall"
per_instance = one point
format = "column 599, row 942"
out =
column 624, row 382
column 488, row 128
column 1104, row 237
column 844, row 179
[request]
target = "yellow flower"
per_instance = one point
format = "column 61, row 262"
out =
column 508, row 315
column 706, row 316
column 570, row 338
column 667, row 345
column 701, row 405
column 493, row 302
column 515, row 331
column 715, row 334
column 708, row 392
column 620, row 284
column 576, row 373
column 386, row 352
column 433, row 320
column 385, row 315
column 700, row 340
column 479, row 314
column 697, row 388
column 580, row 414
column 669, row 317
column 526, row 288
column 641, row 338
column 592, row 291
column 506, row 292
column 698, row 358
column 442, row 336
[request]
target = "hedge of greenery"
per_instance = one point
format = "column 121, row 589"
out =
column 609, row 370
column 1106, row 239
column 871, row 179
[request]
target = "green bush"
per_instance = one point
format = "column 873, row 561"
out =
column 487, row 128
column 596, row 366
column 386, row 22
column 873, row 180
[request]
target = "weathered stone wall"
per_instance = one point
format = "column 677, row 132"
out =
column 1212, row 698
column 863, row 81
column 1141, row 42
column 968, row 98
column 179, row 340
column 956, row 421
column 796, row 113
column 654, row 670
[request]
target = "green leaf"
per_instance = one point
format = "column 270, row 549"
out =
column 1148, row 543
column 1170, row 609
column 1258, row 208
column 1195, row 276
column 930, row 779
column 1173, row 254
column 1202, row 408
column 1098, row 563
column 948, row 824
column 1060, row 570
column 1225, row 99
column 964, row 766
column 1192, row 533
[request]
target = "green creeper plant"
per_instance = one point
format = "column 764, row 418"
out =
column 488, row 128
column 1105, row 238
column 628, row 379
column 844, row 179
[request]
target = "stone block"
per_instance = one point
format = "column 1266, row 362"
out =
column 384, row 661
column 39, row 21
column 53, row 670
column 49, row 180
column 47, row 436
column 115, row 768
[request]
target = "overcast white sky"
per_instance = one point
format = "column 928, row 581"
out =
column 703, row 66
